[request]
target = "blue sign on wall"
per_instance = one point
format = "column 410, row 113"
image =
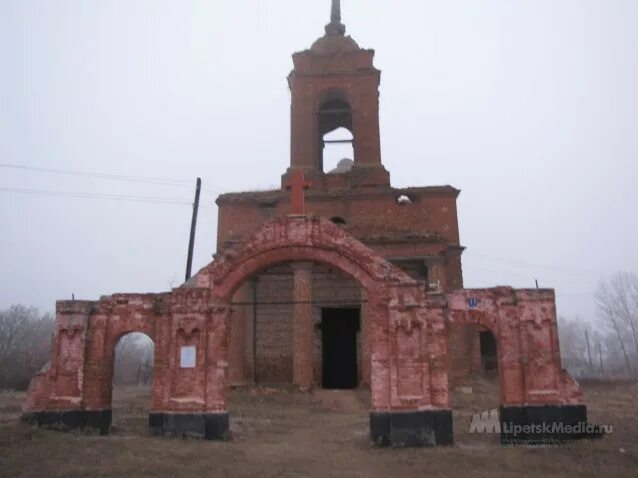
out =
column 473, row 303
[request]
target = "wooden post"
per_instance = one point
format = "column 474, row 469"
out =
column 191, row 242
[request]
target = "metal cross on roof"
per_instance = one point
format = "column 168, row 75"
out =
column 297, row 186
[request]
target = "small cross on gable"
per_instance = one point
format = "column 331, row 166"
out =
column 297, row 186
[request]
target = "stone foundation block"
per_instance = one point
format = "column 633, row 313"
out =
column 412, row 429
column 67, row 420
column 207, row 426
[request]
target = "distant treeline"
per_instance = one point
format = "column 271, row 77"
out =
column 606, row 347
column 25, row 345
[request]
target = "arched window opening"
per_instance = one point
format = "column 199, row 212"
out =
column 132, row 383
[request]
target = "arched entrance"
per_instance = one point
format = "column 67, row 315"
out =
column 475, row 386
column 132, row 381
column 488, row 352
column 401, row 319
column 263, row 321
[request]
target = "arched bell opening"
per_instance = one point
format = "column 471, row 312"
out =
column 336, row 133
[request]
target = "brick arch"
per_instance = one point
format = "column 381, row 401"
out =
column 125, row 316
column 145, row 327
column 481, row 308
column 297, row 239
column 331, row 94
column 524, row 325
column 405, row 324
column 108, row 321
column 482, row 319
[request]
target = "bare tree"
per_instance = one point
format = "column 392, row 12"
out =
column 25, row 344
column 625, row 286
column 617, row 304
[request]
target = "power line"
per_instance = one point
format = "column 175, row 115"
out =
column 574, row 294
column 118, row 177
column 559, row 292
column 520, row 264
column 521, row 275
column 501, row 271
column 113, row 177
column 114, row 197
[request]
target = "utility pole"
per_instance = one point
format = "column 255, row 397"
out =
column 600, row 355
column 536, row 283
column 191, row 242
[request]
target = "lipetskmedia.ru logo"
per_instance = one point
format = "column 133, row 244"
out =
column 489, row 422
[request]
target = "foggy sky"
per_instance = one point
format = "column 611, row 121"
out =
column 530, row 108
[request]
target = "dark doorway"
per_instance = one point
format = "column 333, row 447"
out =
column 488, row 351
column 339, row 329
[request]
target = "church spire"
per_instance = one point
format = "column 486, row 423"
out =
column 335, row 15
column 335, row 27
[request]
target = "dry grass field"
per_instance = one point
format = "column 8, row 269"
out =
column 279, row 434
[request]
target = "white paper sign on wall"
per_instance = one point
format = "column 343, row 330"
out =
column 188, row 356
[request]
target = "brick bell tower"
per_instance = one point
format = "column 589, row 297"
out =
column 334, row 88
column 334, row 85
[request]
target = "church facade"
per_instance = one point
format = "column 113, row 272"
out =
column 335, row 85
column 344, row 282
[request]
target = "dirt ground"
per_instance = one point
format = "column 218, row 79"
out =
column 280, row 434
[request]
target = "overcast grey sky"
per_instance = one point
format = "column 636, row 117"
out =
column 529, row 107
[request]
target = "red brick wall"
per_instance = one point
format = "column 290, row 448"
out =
column 330, row 288
column 274, row 327
column 426, row 228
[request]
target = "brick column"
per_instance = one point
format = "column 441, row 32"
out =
column 364, row 323
column 250, row 343
column 302, row 326
column 237, row 352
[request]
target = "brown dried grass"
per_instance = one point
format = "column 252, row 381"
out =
column 280, row 434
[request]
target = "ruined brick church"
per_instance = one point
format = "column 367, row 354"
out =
column 341, row 282
column 335, row 85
